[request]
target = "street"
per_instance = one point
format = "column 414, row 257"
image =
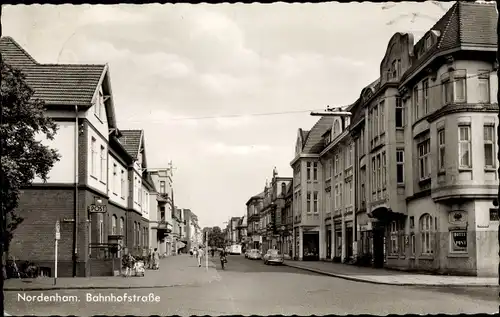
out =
column 250, row 287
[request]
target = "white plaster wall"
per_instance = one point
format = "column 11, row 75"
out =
column 115, row 192
column 153, row 207
column 486, row 239
column 145, row 202
column 137, row 185
column 101, row 124
column 64, row 142
column 94, row 179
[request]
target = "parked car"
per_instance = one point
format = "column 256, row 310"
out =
column 273, row 257
column 253, row 254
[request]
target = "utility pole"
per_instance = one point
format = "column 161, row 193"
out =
column 498, row 129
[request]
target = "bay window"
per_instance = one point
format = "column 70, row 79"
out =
column 441, row 150
column 454, row 86
column 464, row 146
column 423, row 160
column 425, row 95
column 400, row 118
column 489, row 146
column 400, row 167
column 382, row 116
column 483, row 88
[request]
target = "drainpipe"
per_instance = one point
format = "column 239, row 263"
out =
column 75, row 223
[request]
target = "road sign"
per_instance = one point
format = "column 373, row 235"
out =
column 99, row 209
column 58, row 230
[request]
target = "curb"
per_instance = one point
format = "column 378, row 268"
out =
column 56, row 288
column 362, row 280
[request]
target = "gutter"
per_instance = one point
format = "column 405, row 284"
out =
column 75, row 222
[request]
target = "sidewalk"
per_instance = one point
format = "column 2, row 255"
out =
column 179, row 270
column 391, row 277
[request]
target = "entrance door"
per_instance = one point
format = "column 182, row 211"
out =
column 311, row 246
column 378, row 247
column 349, row 242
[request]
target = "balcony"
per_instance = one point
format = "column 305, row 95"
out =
column 164, row 225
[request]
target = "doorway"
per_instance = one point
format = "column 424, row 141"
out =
column 378, row 247
column 311, row 246
column 328, row 243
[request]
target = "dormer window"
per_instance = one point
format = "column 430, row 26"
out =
column 428, row 42
column 336, row 128
column 328, row 138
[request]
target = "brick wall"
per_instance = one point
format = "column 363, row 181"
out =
column 104, row 267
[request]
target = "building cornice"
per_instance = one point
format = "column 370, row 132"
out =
column 458, row 108
column 303, row 155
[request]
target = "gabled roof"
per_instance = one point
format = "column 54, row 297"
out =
column 131, row 141
column 304, row 134
column 314, row 143
column 464, row 23
column 56, row 84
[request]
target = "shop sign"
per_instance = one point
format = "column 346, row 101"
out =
column 98, row 209
column 459, row 240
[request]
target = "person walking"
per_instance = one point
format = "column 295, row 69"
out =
column 200, row 255
column 155, row 256
column 223, row 258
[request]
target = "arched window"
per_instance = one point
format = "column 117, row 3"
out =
column 122, row 226
column 336, row 128
column 113, row 224
column 426, row 234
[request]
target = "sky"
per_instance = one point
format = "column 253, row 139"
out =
column 193, row 77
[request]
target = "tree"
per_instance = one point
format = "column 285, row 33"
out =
column 23, row 157
column 216, row 237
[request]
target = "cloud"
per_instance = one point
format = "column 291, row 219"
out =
column 239, row 150
column 105, row 14
column 232, row 122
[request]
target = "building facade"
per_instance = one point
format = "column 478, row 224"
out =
column 273, row 229
column 409, row 179
column 90, row 191
column 161, row 230
column 254, row 207
column 192, row 230
column 242, row 232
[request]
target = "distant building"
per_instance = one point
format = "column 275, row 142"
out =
column 254, row 206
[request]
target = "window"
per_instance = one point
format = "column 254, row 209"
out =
column 122, row 226
column 113, row 224
column 425, row 85
column 464, row 147
column 379, row 173
column 315, row 209
column 374, row 175
column 400, row 118
column 428, row 42
column 336, row 167
column 315, row 171
column 416, row 105
column 489, row 146
column 336, row 128
column 348, row 156
column 308, row 201
column 423, row 159
column 283, row 189
column 394, row 238
column 340, row 195
column 483, row 88
column 308, row 175
column 441, row 150
column 370, row 125
column 384, row 170
column 336, row 203
column 93, row 158
column 349, row 193
column 123, row 188
column 162, row 187
column 458, row 241
column 375, row 122
column 382, row 117
column 104, row 170
column 413, row 246
column 136, row 191
column 459, row 89
column 426, row 234
column 101, row 231
column 115, row 179
column 362, row 142
column 454, row 87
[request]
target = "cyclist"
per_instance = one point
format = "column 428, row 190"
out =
column 223, row 258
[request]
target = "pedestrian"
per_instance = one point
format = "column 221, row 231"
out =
column 155, row 256
column 200, row 255
column 128, row 263
column 213, row 252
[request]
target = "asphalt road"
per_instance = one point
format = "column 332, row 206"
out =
column 250, row 287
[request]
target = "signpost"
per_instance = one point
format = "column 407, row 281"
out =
column 57, row 237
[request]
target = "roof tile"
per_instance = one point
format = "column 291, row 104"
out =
column 56, row 84
column 314, row 143
column 131, row 141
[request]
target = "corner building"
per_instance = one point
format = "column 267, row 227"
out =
column 414, row 169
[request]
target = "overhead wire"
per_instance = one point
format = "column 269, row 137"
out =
column 300, row 111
